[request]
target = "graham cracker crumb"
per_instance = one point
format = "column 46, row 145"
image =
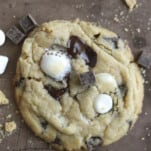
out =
column 3, row 99
column 10, row 126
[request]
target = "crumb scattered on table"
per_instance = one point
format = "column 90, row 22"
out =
column 10, row 126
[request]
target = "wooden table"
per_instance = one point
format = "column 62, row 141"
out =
column 101, row 11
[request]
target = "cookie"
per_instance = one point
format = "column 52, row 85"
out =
column 77, row 85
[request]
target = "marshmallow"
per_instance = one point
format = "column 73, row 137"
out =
column 55, row 64
column 2, row 37
column 103, row 103
column 106, row 82
column 3, row 64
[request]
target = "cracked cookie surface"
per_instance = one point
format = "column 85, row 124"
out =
column 94, row 102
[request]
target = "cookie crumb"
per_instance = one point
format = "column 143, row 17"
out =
column 138, row 30
column 143, row 72
column 142, row 138
column 116, row 19
column 3, row 99
column 10, row 126
column 8, row 116
column 131, row 4
column 126, row 29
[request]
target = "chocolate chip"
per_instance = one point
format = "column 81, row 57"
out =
column 56, row 93
column 57, row 141
column 114, row 41
column 123, row 90
column 27, row 23
column 87, row 79
column 93, row 142
column 96, row 35
column 19, row 82
column 44, row 124
column 76, row 46
column 15, row 35
column 130, row 123
column 145, row 60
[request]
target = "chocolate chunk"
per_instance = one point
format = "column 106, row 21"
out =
column 76, row 46
column 19, row 82
column 44, row 124
column 93, row 142
column 15, row 35
column 56, row 93
column 123, row 89
column 27, row 23
column 96, row 35
column 145, row 60
column 87, row 79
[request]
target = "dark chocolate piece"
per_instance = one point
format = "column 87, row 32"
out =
column 19, row 82
column 27, row 23
column 96, row 35
column 76, row 46
column 87, row 79
column 44, row 124
column 145, row 60
column 93, row 142
column 56, row 93
column 15, row 35
column 123, row 89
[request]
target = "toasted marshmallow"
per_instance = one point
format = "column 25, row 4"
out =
column 55, row 64
column 106, row 82
column 2, row 37
column 103, row 103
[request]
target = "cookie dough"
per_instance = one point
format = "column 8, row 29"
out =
column 91, row 96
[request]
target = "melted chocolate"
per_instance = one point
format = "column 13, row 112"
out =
column 76, row 46
column 56, row 93
column 44, row 124
column 94, row 142
column 19, row 82
column 96, row 35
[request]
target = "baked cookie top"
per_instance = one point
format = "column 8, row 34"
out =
column 77, row 85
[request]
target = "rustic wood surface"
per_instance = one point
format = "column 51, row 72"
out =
column 100, row 11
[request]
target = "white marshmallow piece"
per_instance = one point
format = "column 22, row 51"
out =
column 55, row 64
column 2, row 37
column 103, row 103
column 106, row 82
column 3, row 64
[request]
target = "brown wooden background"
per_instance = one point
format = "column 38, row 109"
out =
column 100, row 11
